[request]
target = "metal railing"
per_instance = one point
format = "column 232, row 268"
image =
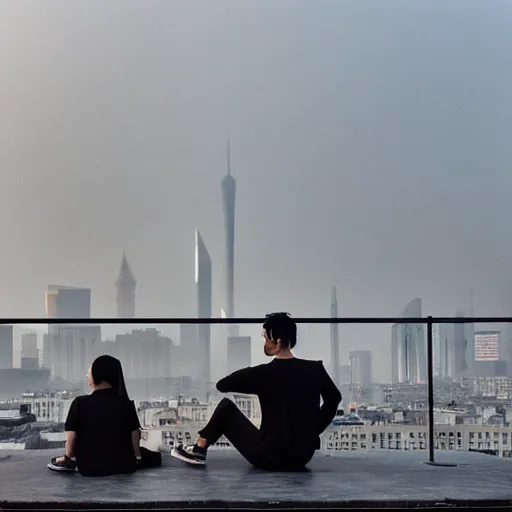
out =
column 428, row 321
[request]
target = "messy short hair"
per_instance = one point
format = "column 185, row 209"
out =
column 280, row 326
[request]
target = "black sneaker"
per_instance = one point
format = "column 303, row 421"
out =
column 189, row 455
column 63, row 466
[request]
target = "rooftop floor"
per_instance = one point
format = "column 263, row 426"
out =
column 371, row 478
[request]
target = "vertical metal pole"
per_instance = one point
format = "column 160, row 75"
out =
column 430, row 382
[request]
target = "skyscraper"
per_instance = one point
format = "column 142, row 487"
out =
column 361, row 368
column 397, row 367
column 228, row 186
column 460, row 347
column 186, row 363
column 203, row 278
column 70, row 348
column 464, row 345
column 29, row 351
column 408, row 348
column 335, row 345
column 446, row 351
column 68, row 302
column 125, row 286
column 6, row 347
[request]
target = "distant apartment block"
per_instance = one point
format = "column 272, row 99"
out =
column 144, row 354
column 412, row 438
column 487, row 345
column 487, row 350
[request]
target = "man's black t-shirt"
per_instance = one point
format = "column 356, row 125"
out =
column 289, row 391
column 103, row 422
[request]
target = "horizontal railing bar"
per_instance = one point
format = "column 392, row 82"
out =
column 299, row 320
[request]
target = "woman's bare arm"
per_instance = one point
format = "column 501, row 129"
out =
column 136, row 442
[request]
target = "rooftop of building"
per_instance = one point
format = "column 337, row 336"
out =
column 355, row 479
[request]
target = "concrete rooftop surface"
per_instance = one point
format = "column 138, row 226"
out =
column 355, row 479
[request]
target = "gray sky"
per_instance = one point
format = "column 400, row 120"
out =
column 371, row 143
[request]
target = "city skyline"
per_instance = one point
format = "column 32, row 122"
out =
column 203, row 266
column 367, row 153
column 175, row 171
column 408, row 356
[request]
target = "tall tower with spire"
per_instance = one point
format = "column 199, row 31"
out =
column 335, row 344
column 125, row 286
column 228, row 186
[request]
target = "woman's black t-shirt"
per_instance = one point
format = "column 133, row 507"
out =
column 103, row 422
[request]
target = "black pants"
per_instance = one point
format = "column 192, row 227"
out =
column 149, row 459
column 228, row 420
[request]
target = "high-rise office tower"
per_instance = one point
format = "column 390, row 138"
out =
column 125, row 287
column 29, row 351
column 6, row 347
column 203, row 278
column 239, row 353
column 335, row 344
column 68, row 302
column 436, row 345
column 408, row 348
column 446, row 351
column 46, row 352
column 186, row 362
column 460, row 346
column 228, row 186
column 464, row 345
column 361, row 368
column 71, row 347
column 397, row 368
column 62, row 302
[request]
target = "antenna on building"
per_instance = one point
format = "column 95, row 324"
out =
column 229, row 156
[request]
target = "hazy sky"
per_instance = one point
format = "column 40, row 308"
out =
column 371, row 143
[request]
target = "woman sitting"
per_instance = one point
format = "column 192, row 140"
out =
column 103, row 428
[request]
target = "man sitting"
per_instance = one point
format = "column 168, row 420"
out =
column 289, row 390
